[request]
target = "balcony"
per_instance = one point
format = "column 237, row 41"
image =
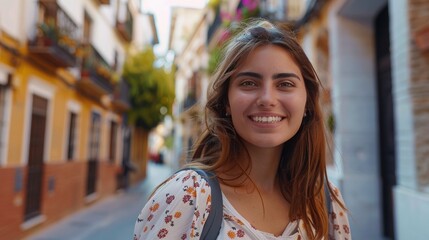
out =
column 124, row 22
column 56, row 39
column 97, row 77
column 121, row 96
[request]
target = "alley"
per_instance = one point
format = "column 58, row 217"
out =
column 110, row 219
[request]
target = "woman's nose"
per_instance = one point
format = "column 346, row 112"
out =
column 266, row 97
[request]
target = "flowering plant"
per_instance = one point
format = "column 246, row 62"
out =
column 245, row 10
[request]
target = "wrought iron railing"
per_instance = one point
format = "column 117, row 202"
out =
column 57, row 35
column 97, row 69
column 56, row 26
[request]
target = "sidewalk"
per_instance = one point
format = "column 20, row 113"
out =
column 110, row 219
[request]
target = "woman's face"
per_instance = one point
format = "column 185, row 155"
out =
column 267, row 97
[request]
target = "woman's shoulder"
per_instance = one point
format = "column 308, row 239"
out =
column 336, row 191
column 185, row 186
column 177, row 209
column 340, row 227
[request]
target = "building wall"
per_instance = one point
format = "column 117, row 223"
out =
column 354, row 96
column 191, row 79
column 64, row 182
column 352, row 80
column 411, row 91
column 356, row 137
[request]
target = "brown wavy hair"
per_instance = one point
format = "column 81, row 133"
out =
column 302, row 168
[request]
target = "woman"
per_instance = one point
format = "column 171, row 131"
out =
column 265, row 142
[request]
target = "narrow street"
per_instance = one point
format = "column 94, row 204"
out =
column 110, row 219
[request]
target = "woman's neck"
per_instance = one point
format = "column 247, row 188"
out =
column 265, row 163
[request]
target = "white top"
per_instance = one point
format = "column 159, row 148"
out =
column 179, row 209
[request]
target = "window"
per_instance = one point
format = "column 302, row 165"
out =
column 113, row 141
column 5, row 79
column 3, row 90
column 71, row 147
column 95, row 131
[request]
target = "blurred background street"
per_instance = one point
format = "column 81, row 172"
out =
column 101, row 99
column 112, row 218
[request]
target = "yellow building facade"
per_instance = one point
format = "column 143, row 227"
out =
column 62, row 102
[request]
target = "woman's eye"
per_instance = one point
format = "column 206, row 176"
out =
column 286, row 84
column 248, row 84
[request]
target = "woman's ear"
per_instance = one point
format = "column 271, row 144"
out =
column 227, row 110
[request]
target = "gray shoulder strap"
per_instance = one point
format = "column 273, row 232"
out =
column 328, row 198
column 213, row 223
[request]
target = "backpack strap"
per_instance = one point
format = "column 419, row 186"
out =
column 328, row 199
column 213, row 223
column 328, row 202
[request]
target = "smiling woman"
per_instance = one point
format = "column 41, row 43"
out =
column 267, row 101
column 265, row 143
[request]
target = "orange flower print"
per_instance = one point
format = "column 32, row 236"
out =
column 154, row 207
column 190, row 190
column 231, row 234
column 177, row 215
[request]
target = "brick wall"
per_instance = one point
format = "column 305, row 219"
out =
column 419, row 89
column 107, row 181
column 67, row 191
column 63, row 193
column 11, row 204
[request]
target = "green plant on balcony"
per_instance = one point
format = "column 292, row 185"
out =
column 48, row 32
column 67, row 42
column 92, row 63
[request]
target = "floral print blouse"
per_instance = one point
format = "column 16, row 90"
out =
column 179, row 209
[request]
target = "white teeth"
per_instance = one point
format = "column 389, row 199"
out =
column 270, row 119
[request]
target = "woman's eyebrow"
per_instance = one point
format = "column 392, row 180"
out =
column 286, row 75
column 249, row 74
column 275, row 76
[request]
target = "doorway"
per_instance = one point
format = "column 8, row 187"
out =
column 94, row 146
column 35, row 157
column 386, row 120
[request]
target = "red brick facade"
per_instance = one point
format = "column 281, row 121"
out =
column 63, row 193
column 419, row 88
